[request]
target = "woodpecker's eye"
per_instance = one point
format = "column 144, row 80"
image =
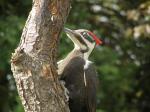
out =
column 84, row 33
column 87, row 37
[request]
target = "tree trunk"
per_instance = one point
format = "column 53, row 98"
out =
column 34, row 61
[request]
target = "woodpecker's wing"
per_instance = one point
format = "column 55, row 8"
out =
column 74, row 82
column 62, row 64
column 91, row 87
column 82, row 97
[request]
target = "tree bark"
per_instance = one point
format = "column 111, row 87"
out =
column 34, row 61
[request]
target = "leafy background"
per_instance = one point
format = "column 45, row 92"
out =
column 123, row 62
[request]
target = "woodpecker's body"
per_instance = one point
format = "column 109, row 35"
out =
column 80, row 76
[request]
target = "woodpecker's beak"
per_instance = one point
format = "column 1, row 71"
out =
column 76, row 38
column 68, row 31
column 71, row 34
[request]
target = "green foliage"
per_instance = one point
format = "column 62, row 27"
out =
column 122, row 62
column 10, row 28
column 18, row 107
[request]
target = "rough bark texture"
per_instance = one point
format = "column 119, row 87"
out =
column 34, row 61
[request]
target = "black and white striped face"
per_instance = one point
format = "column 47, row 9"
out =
column 85, row 36
column 83, row 39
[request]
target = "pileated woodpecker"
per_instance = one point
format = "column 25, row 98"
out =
column 78, row 72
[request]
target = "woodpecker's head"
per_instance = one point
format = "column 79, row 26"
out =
column 83, row 39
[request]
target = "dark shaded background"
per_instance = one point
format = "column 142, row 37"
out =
column 123, row 62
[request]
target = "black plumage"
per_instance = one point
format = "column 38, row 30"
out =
column 82, row 98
